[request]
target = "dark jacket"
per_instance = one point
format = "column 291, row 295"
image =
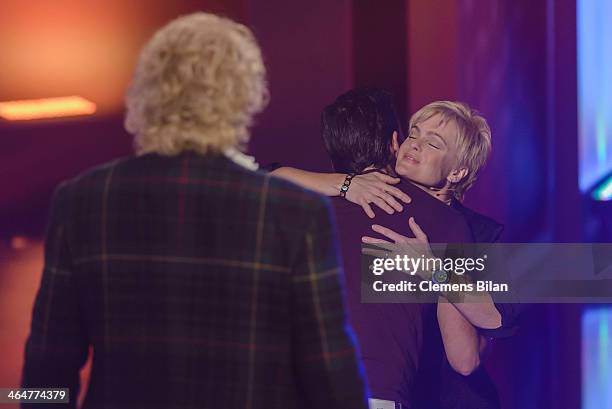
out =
column 445, row 388
column 198, row 284
column 486, row 230
column 390, row 334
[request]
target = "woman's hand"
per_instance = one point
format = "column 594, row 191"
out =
column 376, row 188
column 401, row 245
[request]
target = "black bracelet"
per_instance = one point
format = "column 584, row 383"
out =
column 345, row 186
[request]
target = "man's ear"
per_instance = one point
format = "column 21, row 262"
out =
column 457, row 175
column 394, row 143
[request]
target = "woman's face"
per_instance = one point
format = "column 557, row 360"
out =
column 429, row 154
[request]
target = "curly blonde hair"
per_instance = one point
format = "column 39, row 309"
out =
column 473, row 138
column 197, row 85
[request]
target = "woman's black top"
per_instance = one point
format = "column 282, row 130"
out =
column 439, row 386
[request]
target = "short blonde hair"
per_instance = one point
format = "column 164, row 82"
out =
column 473, row 139
column 197, row 85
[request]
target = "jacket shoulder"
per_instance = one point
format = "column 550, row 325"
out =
column 484, row 229
column 98, row 172
column 285, row 193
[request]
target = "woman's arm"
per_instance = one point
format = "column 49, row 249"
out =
column 479, row 309
column 368, row 188
column 463, row 345
column 327, row 184
column 462, row 342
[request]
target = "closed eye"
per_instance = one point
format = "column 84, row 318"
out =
column 431, row 144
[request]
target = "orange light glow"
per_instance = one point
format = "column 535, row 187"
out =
column 19, row 243
column 46, row 108
column 79, row 47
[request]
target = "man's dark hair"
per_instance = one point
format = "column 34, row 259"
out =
column 357, row 129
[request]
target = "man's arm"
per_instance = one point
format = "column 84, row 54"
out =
column 326, row 366
column 57, row 346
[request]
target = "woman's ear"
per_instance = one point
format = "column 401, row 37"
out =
column 457, row 175
column 394, row 143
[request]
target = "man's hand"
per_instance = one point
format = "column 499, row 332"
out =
column 376, row 188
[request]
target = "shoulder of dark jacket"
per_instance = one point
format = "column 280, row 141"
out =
column 484, row 228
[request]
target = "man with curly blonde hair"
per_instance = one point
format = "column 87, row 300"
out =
column 197, row 85
column 197, row 282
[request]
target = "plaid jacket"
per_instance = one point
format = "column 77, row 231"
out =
column 198, row 284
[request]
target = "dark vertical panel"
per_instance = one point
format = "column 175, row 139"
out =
column 564, row 198
column 380, row 49
column 502, row 73
column 563, row 139
column 432, row 52
column 307, row 50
